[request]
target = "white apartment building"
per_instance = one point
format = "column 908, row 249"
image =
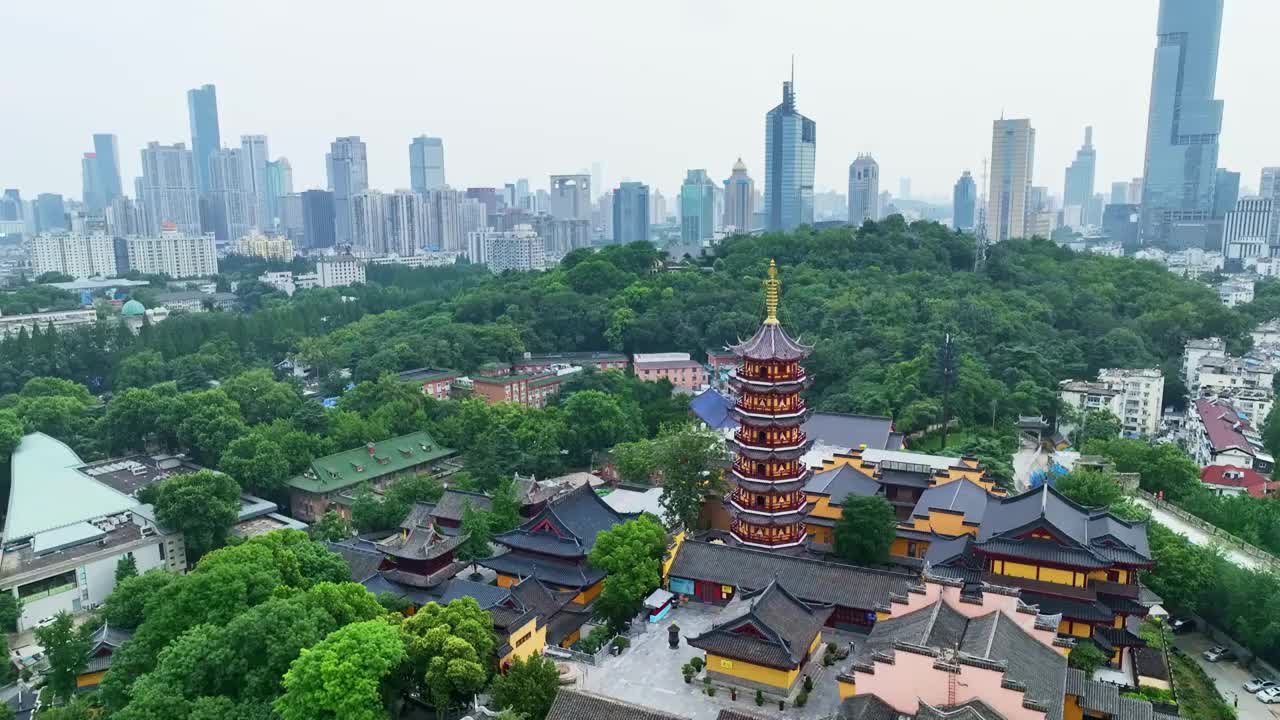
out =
column 338, row 271
column 281, row 280
column 1236, row 291
column 59, row 319
column 1249, row 230
column 1135, row 396
column 518, row 249
column 1217, row 434
column 1219, row 373
column 1195, row 351
column 173, row 254
column 80, row 256
column 1267, row 333
column 421, row 260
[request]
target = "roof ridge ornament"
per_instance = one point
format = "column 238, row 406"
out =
column 771, row 294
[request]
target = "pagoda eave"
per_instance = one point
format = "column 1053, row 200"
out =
column 761, row 518
column 765, row 420
column 768, row 386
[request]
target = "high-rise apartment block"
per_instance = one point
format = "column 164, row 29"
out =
column 964, row 203
column 571, row 197
column 1251, row 231
column 254, row 160
column 80, row 256
column 1013, row 144
column 864, row 189
column 630, row 212
column 739, row 199
column 426, row 164
column 173, row 253
column 233, row 208
column 1078, row 187
column 1184, row 120
column 444, row 227
column 168, row 188
column 1269, row 183
column 279, row 183
column 202, row 111
column 368, row 221
column 406, row 217
column 50, row 212
column 317, row 219
column 348, row 168
column 518, row 249
column 790, row 149
column 697, row 207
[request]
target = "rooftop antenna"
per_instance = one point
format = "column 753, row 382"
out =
column 793, row 70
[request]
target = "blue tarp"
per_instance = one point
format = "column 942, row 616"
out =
column 712, row 408
column 1040, row 477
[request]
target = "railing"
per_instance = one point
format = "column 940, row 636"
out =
column 765, row 408
column 743, row 531
column 773, row 471
column 792, row 502
column 1234, row 542
column 797, row 438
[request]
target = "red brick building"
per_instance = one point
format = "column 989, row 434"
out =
column 679, row 368
column 435, row 382
column 530, row 390
column 532, row 363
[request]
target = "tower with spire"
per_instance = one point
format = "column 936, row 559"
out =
column 739, row 199
column 767, row 503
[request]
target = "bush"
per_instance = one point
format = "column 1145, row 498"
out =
column 594, row 640
column 711, row 692
column 688, row 672
column 808, row 684
column 802, row 699
column 759, row 698
column 621, row 642
column 697, row 662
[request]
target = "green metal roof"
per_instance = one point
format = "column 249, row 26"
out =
column 48, row 491
column 350, row 467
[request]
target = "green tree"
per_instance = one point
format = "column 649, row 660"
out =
column 331, row 527
column 141, row 370
column 1086, row 657
column 203, row 505
column 7, row 672
column 125, row 606
column 636, row 461
column 865, row 530
column 10, row 611
column 505, row 504
column 528, row 687
column 475, row 526
column 631, row 554
column 1100, row 424
column 449, row 648
column 258, row 464
column 126, row 567
column 11, row 432
column 595, row 422
column 67, row 649
column 345, row 676
column 690, row 461
column 261, row 398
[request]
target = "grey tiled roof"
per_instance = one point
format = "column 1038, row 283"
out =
column 453, row 502
column 866, row 707
column 578, row 705
column 771, row 342
column 420, row 543
column 813, row 581
column 568, row 573
column 787, row 626
column 1092, row 530
column 737, row 715
column 849, row 431
column 842, row 482
column 1150, row 662
column 576, row 517
column 961, row 496
column 362, row 557
column 971, row 710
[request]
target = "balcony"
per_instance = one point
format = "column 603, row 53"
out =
column 793, row 439
column 767, row 472
column 755, row 503
column 770, row 407
column 767, row 537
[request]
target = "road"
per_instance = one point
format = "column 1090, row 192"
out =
column 1230, row 678
column 1029, row 458
column 1198, row 536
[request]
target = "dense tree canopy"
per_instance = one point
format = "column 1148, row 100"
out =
column 865, row 530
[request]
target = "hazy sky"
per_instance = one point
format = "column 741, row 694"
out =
column 649, row 89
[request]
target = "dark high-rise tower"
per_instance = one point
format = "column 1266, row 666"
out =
column 964, row 203
column 1184, row 120
column 348, row 168
column 630, row 212
column 101, row 170
column 1078, row 189
column 790, row 147
column 202, row 110
column 317, row 218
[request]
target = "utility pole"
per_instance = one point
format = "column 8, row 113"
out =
column 948, row 370
column 980, row 232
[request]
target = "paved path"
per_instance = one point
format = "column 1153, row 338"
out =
column 1029, row 458
column 1229, row 676
column 1198, row 536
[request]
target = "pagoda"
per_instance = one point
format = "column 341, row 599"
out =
column 767, row 503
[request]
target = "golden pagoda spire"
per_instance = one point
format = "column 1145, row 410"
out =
column 771, row 294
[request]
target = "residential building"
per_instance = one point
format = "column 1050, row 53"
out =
column 790, row 148
column 1218, row 434
column 521, row 249
column 1226, row 192
column 697, row 207
column 1221, row 372
column 406, row 223
column 739, row 200
column 50, row 213
column 196, row 301
column 79, row 256
column 426, row 164
column 444, row 229
column 657, row 208
column 571, row 197
column 339, row 271
column 631, row 213
column 531, row 390
column 278, row 186
column 1267, row 333
column 369, row 222
column 1254, row 403
column 864, row 190
column 265, row 246
column 1251, row 231
column 675, row 367
column 1184, row 120
column 1133, row 396
column 168, row 187
column 1236, row 291
column 1227, row 480
column 254, row 161
column 421, row 260
column 1078, row 186
column 375, row 465
column 125, row 217
column 202, row 111
column 68, row 525
column 348, row 170
column 436, row 383
column 964, row 202
column 1269, row 183
column 291, row 220
column 173, row 253
column 1013, row 144
column 1194, row 352
column 59, row 320
column 541, row 363
column 232, row 204
column 318, row 219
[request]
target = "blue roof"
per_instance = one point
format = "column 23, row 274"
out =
column 712, row 408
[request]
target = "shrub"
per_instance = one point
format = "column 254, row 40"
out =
column 802, row 698
column 808, row 684
column 697, row 662
column 759, row 697
column 621, row 642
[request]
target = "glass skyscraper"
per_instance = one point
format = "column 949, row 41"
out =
column 1184, row 120
column 790, row 144
column 698, row 207
column 426, row 164
column 1077, row 191
column 964, row 202
column 202, row 110
column 630, row 212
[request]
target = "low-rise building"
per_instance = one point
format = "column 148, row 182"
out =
column 1195, row 351
column 677, row 368
column 1267, row 333
column 1217, row 434
column 1229, row 480
column 436, row 383
column 545, row 362
column 1254, row 403
column 196, row 301
column 533, row 390
column 1236, row 291
column 256, row 244
column 375, row 465
column 1134, row 395
column 1220, row 373
column 68, row 525
column 57, row 319
column 421, row 260
column 339, row 271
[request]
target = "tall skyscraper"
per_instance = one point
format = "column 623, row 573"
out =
column 369, row 220
column 1269, row 184
column 904, row 188
column 864, row 189
column 1184, row 120
column 50, row 213
column 426, row 164
column 444, row 226
column 406, row 222
column 571, row 197
column 232, row 204
column 202, row 111
column 317, row 219
column 348, row 168
column 90, row 195
column 697, row 207
column 254, row 150
column 101, row 173
column 964, row 203
column 1013, row 145
column 279, row 184
column 1226, row 191
column 739, row 199
column 657, row 207
column 631, row 212
column 1250, row 231
column 1078, row 188
column 168, row 188
column 790, row 148
column 1119, row 193
column 11, row 205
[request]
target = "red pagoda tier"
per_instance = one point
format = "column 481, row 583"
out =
column 767, row 503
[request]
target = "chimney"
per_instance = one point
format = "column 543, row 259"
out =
column 369, row 447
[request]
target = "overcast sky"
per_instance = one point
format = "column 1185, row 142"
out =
column 648, row 89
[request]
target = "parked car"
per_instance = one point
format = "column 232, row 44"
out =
column 1270, row 695
column 46, row 621
column 1258, row 684
column 1217, row 653
column 1182, row 625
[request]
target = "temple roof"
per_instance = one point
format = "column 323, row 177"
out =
column 771, row 342
column 1087, row 536
column 566, row 527
column 775, row 628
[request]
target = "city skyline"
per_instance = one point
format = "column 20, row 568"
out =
column 489, row 146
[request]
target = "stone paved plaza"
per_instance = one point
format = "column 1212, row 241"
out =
column 648, row 673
